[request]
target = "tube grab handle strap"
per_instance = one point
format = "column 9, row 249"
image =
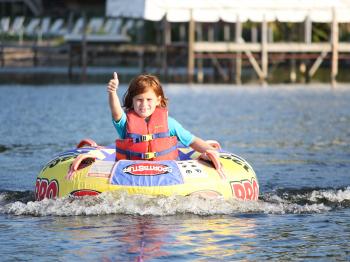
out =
column 87, row 142
column 76, row 165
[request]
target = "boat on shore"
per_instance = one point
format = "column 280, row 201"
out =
column 90, row 169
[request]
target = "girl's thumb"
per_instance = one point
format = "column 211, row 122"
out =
column 115, row 75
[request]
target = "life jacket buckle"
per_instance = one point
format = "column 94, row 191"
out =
column 146, row 138
column 150, row 155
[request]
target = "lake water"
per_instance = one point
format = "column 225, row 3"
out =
column 297, row 138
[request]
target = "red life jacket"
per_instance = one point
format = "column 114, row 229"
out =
column 147, row 140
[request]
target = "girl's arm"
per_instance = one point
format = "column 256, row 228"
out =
column 208, row 153
column 114, row 103
column 200, row 145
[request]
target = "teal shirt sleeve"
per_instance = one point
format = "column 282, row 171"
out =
column 176, row 129
column 120, row 126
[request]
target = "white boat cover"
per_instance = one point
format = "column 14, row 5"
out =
column 231, row 10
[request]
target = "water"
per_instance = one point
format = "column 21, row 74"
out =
column 297, row 138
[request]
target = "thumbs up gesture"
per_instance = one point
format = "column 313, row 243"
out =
column 113, row 83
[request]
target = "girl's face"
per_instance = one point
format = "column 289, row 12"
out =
column 144, row 104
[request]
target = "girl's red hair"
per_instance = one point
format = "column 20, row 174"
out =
column 142, row 84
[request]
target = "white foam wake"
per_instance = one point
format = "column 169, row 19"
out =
column 334, row 196
column 122, row 203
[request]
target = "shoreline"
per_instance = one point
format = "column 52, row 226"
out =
column 101, row 74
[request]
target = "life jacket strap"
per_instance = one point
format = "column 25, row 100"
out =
column 146, row 155
column 137, row 138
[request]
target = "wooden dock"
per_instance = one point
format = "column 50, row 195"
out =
column 221, row 60
column 264, row 49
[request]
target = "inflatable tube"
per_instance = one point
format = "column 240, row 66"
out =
column 90, row 169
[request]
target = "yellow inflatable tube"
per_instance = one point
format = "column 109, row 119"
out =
column 92, row 169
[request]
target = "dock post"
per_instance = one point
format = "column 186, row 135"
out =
column 254, row 34
column 264, row 55
column 191, row 39
column 166, row 42
column 84, row 51
column 334, row 45
column 2, row 51
column 308, row 40
column 141, row 42
column 159, row 51
column 200, row 74
column 70, row 62
column 238, row 35
column 35, row 54
column 308, row 30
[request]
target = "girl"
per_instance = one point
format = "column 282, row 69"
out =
column 145, row 129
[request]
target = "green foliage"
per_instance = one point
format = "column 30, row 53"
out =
column 321, row 32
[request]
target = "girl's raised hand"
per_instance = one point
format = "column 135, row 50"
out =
column 115, row 76
column 113, row 83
